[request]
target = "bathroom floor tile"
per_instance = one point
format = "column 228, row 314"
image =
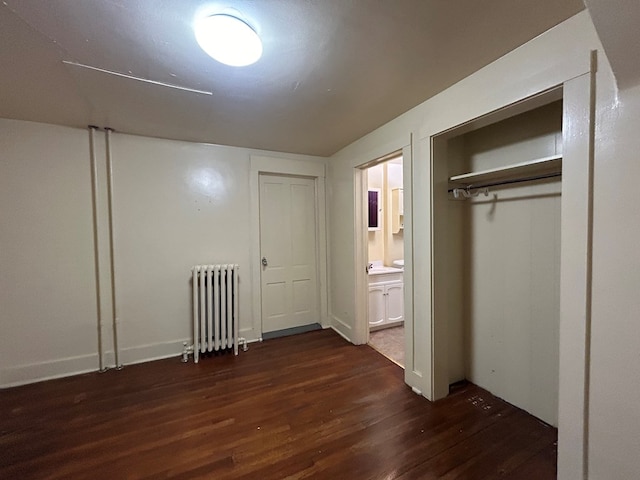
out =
column 390, row 343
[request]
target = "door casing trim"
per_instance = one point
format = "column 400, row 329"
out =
column 261, row 164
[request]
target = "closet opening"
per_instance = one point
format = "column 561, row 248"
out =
column 496, row 221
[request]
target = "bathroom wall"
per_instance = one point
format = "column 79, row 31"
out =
column 375, row 179
column 394, row 242
column 384, row 245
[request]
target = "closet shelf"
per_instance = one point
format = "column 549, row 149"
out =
column 540, row 167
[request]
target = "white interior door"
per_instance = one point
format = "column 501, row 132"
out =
column 288, row 250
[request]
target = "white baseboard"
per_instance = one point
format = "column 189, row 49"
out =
column 250, row 335
column 342, row 329
column 154, row 351
column 66, row 367
column 37, row 372
column 340, row 333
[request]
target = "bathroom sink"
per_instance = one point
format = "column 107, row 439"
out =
column 398, row 263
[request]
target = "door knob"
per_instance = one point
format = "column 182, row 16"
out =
column 264, row 261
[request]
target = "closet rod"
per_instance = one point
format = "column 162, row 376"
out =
column 509, row 182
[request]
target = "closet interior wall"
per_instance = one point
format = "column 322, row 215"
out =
column 497, row 280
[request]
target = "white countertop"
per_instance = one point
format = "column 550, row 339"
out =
column 379, row 270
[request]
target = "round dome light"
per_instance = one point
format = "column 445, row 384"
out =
column 228, row 40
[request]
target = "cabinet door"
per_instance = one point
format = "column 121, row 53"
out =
column 395, row 302
column 376, row 305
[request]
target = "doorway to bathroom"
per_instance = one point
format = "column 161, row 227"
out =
column 385, row 257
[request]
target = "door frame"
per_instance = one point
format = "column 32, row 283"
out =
column 361, row 249
column 261, row 164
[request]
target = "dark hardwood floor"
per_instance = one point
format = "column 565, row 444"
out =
column 309, row 406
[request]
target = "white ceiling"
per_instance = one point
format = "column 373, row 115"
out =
column 618, row 25
column 332, row 70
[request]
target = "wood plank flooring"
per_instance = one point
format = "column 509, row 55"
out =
column 308, row 406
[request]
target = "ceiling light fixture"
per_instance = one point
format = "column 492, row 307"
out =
column 228, row 40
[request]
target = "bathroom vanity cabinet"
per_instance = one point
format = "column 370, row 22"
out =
column 386, row 300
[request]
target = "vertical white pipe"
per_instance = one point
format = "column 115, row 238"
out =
column 96, row 249
column 203, row 309
column 229, row 306
column 236, row 318
column 224, row 286
column 216, row 306
column 196, row 329
column 210, row 307
column 107, row 133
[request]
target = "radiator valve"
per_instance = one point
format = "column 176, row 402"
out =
column 186, row 350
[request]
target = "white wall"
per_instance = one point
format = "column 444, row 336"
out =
column 614, row 414
column 47, row 289
column 614, row 417
column 456, row 258
column 176, row 204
